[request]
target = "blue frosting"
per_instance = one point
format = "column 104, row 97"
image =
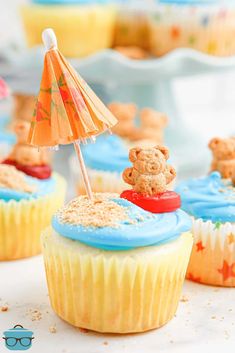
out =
column 4, row 120
column 7, row 137
column 108, row 154
column 190, row 2
column 149, row 229
column 209, row 198
column 67, row 2
column 44, row 187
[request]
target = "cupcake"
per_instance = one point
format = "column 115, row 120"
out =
column 29, row 195
column 114, row 267
column 210, row 201
column 205, row 25
column 132, row 26
column 81, row 27
column 107, row 160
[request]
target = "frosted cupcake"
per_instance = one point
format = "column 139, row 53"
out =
column 204, row 25
column 112, row 266
column 81, row 27
column 210, row 201
column 29, row 195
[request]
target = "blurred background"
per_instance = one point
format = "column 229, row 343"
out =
column 194, row 86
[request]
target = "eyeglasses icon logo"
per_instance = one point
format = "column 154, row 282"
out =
column 18, row 338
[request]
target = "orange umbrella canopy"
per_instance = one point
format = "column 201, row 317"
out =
column 66, row 109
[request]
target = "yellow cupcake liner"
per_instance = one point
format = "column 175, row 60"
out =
column 115, row 291
column 80, row 30
column 213, row 256
column 21, row 222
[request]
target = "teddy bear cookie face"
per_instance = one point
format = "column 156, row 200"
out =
column 223, row 151
column 152, row 119
column 149, row 160
column 150, row 173
column 123, row 111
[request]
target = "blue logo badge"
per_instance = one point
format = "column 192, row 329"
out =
column 18, row 338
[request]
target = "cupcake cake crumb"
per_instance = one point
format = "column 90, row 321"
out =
column 11, row 178
column 4, row 308
column 35, row 315
column 53, row 329
column 184, row 299
column 100, row 212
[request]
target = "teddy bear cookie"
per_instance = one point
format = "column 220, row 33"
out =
column 149, row 178
column 26, row 158
column 151, row 123
column 223, row 151
column 125, row 113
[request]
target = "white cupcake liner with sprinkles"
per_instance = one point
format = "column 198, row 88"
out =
column 212, row 259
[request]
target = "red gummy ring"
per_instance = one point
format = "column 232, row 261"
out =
column 168, row 201
column 36, row 171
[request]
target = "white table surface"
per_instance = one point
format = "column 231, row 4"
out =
column 203, row 323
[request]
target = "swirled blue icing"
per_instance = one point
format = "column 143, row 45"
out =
column 191, row 2
column 108, row 154
column 7, row 137
column 44, row 187
column 209, row 198
column 68, row 2
column 148, row 229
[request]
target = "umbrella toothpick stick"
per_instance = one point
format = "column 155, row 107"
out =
column 83, row 170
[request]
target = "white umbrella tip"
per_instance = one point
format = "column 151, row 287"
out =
column 49, row 38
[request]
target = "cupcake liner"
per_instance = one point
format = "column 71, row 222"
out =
column 21, row 222
column 213, row 256
column 111, row 291
column 81, row 30
column 209, row 29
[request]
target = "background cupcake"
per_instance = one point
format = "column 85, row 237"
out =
column 81, row 27
column 210, row 201
column 29, row 194
column 105, row 162
column 113, row 267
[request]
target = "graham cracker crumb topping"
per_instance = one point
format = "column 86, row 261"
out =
column 102, row 211
column 11, row 178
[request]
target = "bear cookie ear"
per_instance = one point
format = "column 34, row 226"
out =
column 164, row 150
column 133, row 154
column 214, row 143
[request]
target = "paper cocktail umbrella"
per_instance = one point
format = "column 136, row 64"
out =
column 67, row 110
column 4, row 90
